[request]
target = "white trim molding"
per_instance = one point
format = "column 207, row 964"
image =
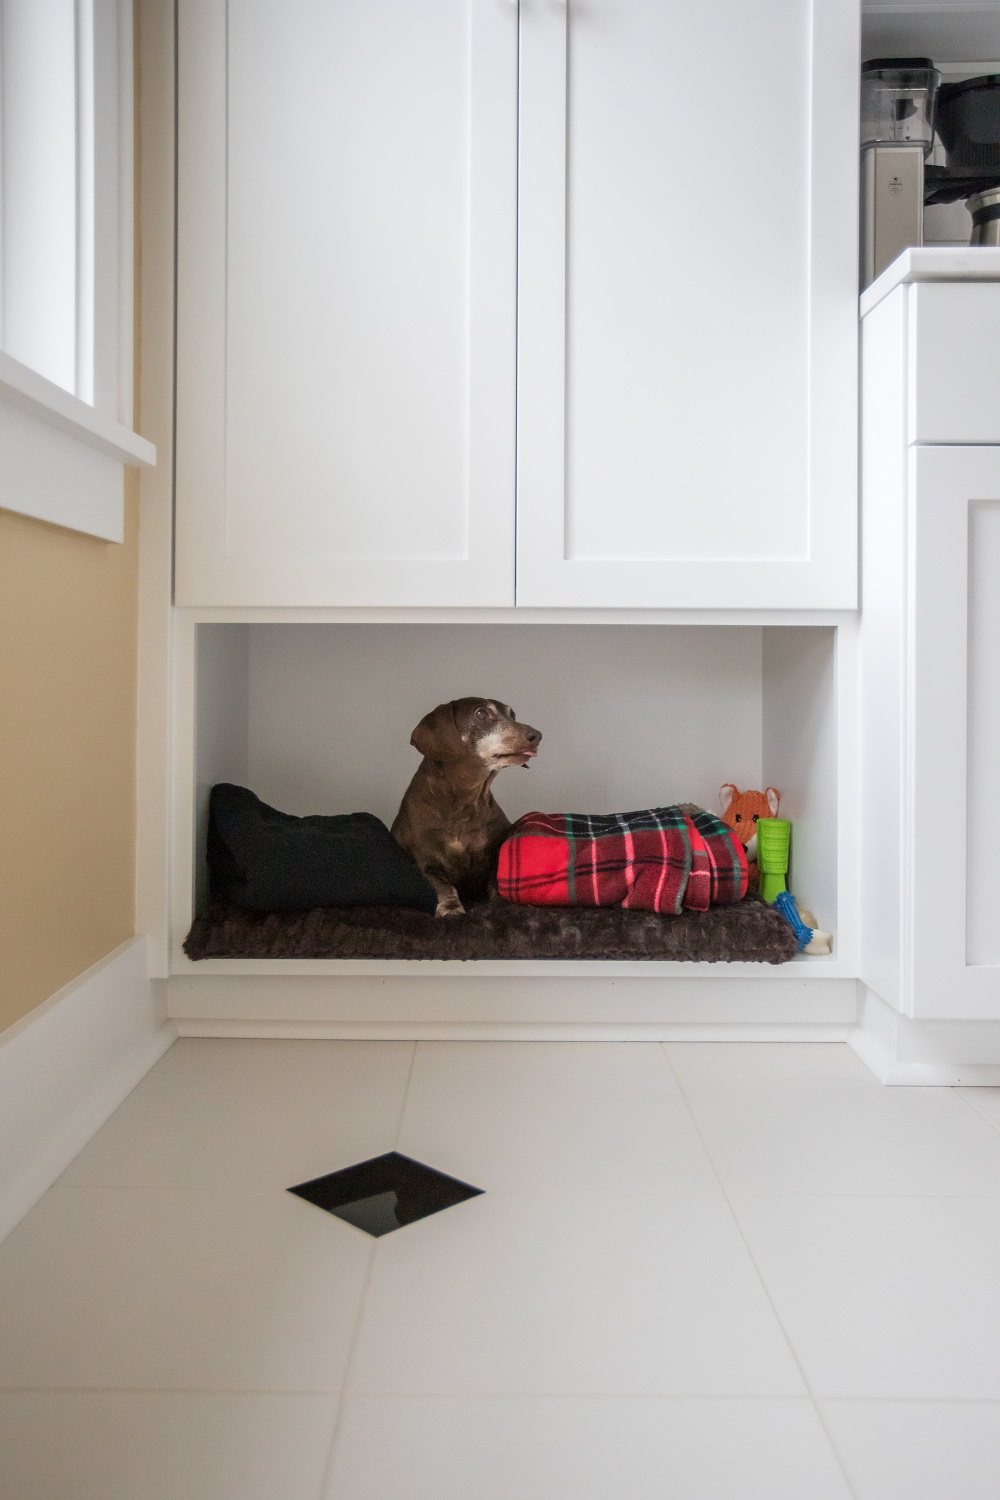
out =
column 505, row 1007
column 68, row 1064
column 66, row 264
column 935, row 1054
column 155, row 41
column 63, row 460
column 30, row 392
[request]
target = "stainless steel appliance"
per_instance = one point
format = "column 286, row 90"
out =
column 897, row 132
column 903, row 103
column 985, row 211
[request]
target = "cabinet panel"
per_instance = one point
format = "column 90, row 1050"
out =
column 886, row 853
column 982, row 868
column 954, row 373
column 688, row 296
column 346, row 302
column 953, row 666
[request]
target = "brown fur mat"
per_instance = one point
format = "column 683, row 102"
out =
column 747, row 932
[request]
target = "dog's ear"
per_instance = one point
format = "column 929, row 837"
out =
column 437, row 736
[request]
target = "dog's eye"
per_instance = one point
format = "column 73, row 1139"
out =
column 480, row 713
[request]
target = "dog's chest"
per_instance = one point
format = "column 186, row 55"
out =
column 469, row 844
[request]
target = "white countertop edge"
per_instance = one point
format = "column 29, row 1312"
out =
column 934, row 263
column 25, row 389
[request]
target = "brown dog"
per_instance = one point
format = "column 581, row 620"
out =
column 448, row 820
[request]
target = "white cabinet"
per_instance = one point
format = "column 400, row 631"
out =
column 687, row 304
column 648, row 206
column 954, row 389
column 346, row 302
column 930, row 653
column 955, row 665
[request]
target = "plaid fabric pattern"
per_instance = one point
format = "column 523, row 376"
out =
column 661, row 859
column 727, row 859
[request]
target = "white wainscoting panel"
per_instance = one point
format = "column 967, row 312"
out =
column 68, row 1064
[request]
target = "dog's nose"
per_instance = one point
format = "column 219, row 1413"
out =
column 533, row 736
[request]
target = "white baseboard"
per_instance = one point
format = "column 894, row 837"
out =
column 68, row 1064
column 418, row 1007
column 931, row 1054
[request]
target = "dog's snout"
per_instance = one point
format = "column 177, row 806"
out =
column 533, row 736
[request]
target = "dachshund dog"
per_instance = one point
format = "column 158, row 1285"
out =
column 448, row 820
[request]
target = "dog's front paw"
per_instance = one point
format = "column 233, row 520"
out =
column 449, row 906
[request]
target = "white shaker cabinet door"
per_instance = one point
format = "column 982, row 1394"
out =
column 952, row 950
column 346, row 302
column 688, row 303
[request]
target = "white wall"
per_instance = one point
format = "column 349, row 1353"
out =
column 800, row 758
column 632, row 716
column 221, row 731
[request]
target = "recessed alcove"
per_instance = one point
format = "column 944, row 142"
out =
column 316, row 717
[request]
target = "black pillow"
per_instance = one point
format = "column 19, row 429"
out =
column 271, row 861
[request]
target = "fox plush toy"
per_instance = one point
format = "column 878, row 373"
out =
column 740, row 811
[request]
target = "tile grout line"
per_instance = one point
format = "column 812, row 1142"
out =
column 333, row 1393
column 328, row 1393
column 706, row 1397
column 763, row 1284
column 406, row 1095
column 546, row 1191
column 338, row 1419
column 959, row 1090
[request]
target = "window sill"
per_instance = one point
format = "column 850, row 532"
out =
column 30, row 392
column 63, row 460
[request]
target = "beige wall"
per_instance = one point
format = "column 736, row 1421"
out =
column 67, row 753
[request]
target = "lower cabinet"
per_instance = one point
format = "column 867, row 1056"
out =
column 953, row 662
column 929, row 712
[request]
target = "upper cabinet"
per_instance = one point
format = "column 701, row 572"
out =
column 346, row 302
column 640, row 215
column 688, row 304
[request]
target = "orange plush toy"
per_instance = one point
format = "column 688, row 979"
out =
column 740, row 810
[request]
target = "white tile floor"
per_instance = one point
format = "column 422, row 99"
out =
column 726, row 1271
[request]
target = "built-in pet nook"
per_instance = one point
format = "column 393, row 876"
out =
column 316, row 718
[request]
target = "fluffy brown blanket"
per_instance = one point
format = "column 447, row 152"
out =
column 747, row 932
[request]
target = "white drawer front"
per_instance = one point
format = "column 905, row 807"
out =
column 954, row 367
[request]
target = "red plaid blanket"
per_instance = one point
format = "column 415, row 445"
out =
column 662, row 859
